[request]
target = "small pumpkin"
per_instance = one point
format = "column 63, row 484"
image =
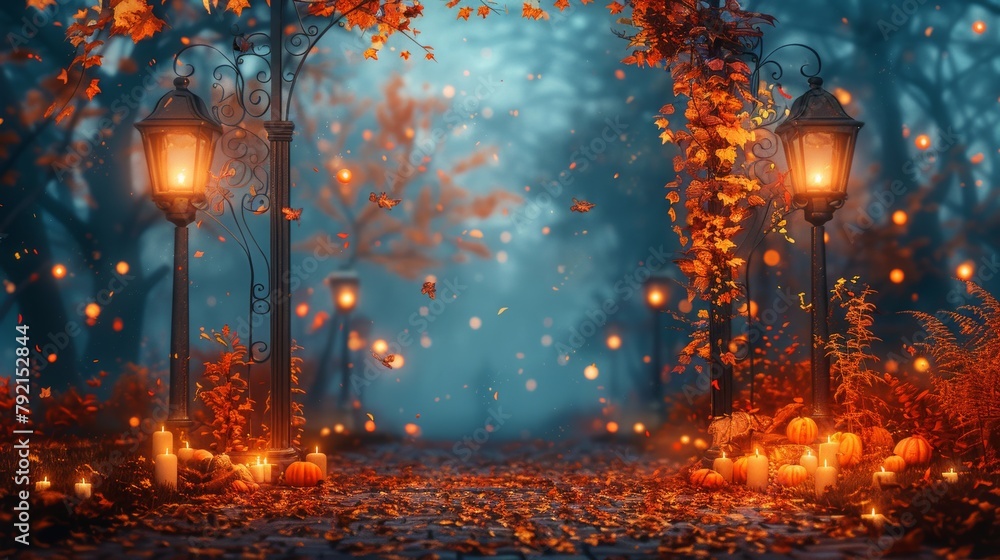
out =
column 915, row 450
column 243, row 487
column 850, row 450
column 708, row 479
column 740, row 470
column 792, row 475
column 201, row 458
column 302, row 473
column 894, row 463
column 877, row 437
column 802, row 431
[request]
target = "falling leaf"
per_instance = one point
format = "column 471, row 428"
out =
column 430, row 289
column 198, row 254
column 93, row 89
column 46, row 392
column 383, row 201
column 370, row 417
column 405, row 55
column 292, row 214
column 496, row 395
column 464, row 13
column 62, row 77
column 581, row 206
column 502, row 309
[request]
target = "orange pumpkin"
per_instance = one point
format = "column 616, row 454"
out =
column 740, row 470
column 894, row 463
column 915, row 450
column 200, row 459
column 877, row 438
column 302, row 473
column 243, row 487
column 792, row 475
column 802, row 431
column 849, row 452
column 708, row 479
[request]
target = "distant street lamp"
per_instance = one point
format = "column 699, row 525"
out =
column 657, row 287
column 344, row 290
column 819, row 139
column 179, row 139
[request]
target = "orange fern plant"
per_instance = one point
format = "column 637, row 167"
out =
column 225, row 392
column 964, row 349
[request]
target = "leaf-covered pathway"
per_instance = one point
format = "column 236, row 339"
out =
column 584, row 501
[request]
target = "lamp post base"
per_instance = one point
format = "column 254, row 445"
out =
column 282, row 458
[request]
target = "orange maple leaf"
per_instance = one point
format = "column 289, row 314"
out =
column 136, row 19
column 562, row 4
column 371, row 53
column 237, row 6
column 483, row 11
column 67, row 111
column 62, row 77
column 93, row 89
column 405, row 55
column 615, row 8
column 464, row 13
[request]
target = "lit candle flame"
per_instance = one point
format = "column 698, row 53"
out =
column 180, row 178
column 756, row 451
column 317, row 449
column 723, row 454
column 873, row 512
column 883, row 469
column 818, row 178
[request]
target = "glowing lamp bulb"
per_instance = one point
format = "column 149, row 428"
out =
column 655, row 298
column 181, row 178
column 346, row 299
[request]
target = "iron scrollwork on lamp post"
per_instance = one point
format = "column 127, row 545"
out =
column 252, row 82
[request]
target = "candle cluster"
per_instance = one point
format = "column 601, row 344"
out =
column 165, row 463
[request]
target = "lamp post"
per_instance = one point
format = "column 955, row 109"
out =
column 656, row 298
column 344, row 289
column 818, row 137
column 179, row 138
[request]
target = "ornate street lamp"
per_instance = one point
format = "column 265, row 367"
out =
column 818, row 139
column 344, row 289
column 179, row 139
column 657, row 290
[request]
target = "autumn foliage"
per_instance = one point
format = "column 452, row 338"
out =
column 224, row 392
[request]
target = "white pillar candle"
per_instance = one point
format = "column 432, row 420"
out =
column 318, row 459
column 809, row 461
column 884, row 477
column 724, row 466
column 950, row 476
column 162, row 440
column 257, row 471
column 266, row 471
column 83, row 489
column 184, row 454
column 828, row 452
column 165, row 469
column 43, row 485
column 757, row 471
column 825, row 476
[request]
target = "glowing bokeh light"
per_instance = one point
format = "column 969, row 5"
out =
column 896, row 276
column 591, row 372
column 614, row 342
column 899, row 218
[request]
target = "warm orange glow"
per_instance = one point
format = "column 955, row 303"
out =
column 655, row 298
column 412, row 429
column 397, row 361
column 965, row 270
column 614, row 342
column 344, row 176
column 181, row 179
column 133, row 422
column 122, row 267
column 772, row 257
column 979, row 27
column 346, row 300
column 369, row 426
column 355, row 342
column 921, row 364
column 52, row 358
column 923, row 142
column 638, row 427
column 302, row 309
column 59, row 271
column 899, row 218
column 685, row 306
column 475, row 323
column 117, row 325
column 92, row 311
column 896, row 276
column 612, row 427
column 380, row 346
column 338, row 428
column 818, row 179
column 591, row 372
column 685, row 439
column 842, row 95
